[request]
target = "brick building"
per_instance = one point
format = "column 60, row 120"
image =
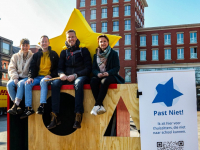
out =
column 119, row 17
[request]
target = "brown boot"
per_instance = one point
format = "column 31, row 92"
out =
column 78, row 119
column 55, row 120
column 13, row 110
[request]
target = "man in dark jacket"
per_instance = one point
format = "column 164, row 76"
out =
column 74, row 67
column 42, row 67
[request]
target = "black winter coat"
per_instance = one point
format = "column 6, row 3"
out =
column 35, row 63
column 71, row 62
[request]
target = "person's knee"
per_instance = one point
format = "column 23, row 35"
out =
column 105, row 81
column 10, row 84
column 43, row 81
column 56, row 83
column 93, row 81
column 21, row 83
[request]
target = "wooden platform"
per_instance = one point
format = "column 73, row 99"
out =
column 91, row 135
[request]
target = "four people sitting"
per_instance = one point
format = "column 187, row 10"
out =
column 73, row 67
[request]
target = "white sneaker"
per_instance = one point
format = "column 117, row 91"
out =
column 101, row 110
column 94, row 110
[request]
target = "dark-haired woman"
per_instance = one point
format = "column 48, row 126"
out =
column 105, row 70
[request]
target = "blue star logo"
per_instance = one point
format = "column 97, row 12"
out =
column 166, row 93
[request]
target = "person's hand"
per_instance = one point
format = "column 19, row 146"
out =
column 70, row 78
column 29, row 81
column 48, row 76
column 105, row 74
column 63, row 77
column 16, row 81
column 100, row 75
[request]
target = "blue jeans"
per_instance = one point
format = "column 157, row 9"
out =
column 28, row 90
column 20, row 88
column 78, row 85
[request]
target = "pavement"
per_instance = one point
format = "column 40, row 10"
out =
column 3, row 132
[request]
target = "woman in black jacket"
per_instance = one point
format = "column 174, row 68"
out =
column 105, row 70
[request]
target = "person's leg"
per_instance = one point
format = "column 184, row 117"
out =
column 11, row 89
column 20, row 90
column 94, row 84
column 78, row 85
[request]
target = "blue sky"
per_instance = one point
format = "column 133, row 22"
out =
column 34, row 18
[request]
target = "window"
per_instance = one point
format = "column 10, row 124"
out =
column 115, row 11
column 115, row 1
column 193, row 37
column 180, row 53
column 193, row 52
column 82, row 3
column 104, row 27
column 142, row 40
column 103, row 1
column 117, row 51
column 128, row 75
column 127, row 10
column 6, row 48
column 126, row 0
column 93, row 26
column 104, row 13
column 154, row 40
column 83, row 13
column 167, row 39
column 93, row 14
column 4, row 66
column 154, row 54
column 4, row 75
column 127, row 24
column 167, row 54
column 93, row 2
column 142, row 55
column 180, row 38
column 127, row 54
column 127, row 39
column 115, row 25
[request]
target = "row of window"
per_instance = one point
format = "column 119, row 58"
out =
column 93, row 2
column 127, row 12
column 127, row 53
column 167, row 39
column 167, row 54
column 139, row 7
column 6, row 48
column 127, row 26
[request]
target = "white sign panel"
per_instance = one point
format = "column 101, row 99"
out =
column 168, row 111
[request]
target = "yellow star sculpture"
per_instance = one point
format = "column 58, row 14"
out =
column 84, row 33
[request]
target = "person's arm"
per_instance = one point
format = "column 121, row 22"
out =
column 32, row 69
column 87, row 63
column 12, row 68
column 116, row 65
column 61, row 63
column 54, row 71
column 95, row 67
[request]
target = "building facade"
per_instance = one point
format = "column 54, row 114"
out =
column 5, row 55
column 118, row 17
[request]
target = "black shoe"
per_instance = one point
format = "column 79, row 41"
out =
column 78, row 120
column 55, row 120
column 13, row 110
column 40, row 109
column 28, row 111
column 19, row 110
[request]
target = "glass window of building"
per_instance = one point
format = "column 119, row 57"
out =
column 154, row 54
column 127, row 39
column 193, row 37
column 127, row 54
column 93, row 2
column 115, row 25
column 143, row 55
column 128, row 75
column 193, row 52
column 82, row 3
column 104, row 13
column 167, row 39
column 4, row 75
column 142, row 40
column 127, row 10
column 6, row 48
column 93, row 14
column 167, row 54
column 93, row 26
column 154, row 40
column 127, row 0
column 115, row 1
column 180, row 38
column 103, row 1
column 104, row 27
column 115, row 11
column 117, row 51
column 180, row 53
column 128, row 24
column 83, row 13
column 4, row 66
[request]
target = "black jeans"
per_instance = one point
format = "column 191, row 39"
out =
column 99, row 93
column 78, row 85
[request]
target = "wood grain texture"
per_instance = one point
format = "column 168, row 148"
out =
column 91, row 134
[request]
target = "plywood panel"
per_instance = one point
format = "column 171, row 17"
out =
column 91, row 135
